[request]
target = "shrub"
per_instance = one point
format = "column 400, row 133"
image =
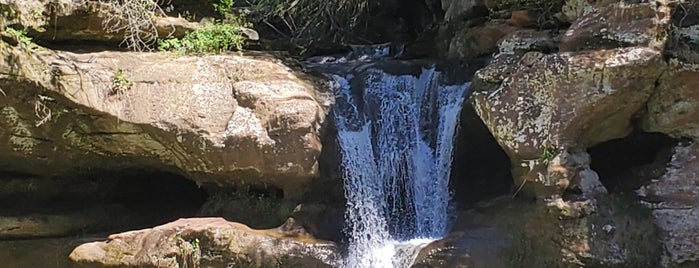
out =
column 308, row 20
column 133, row 18
column 212, row 38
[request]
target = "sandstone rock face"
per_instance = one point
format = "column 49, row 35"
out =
column 81, row 20
column 206, row 242
column 618, row 25
column 224, row 119
column 674, row 107
column 567, row 100
column 674, row 199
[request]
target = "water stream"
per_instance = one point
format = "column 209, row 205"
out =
column 396, row 122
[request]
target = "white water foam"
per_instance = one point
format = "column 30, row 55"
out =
column 396, row 140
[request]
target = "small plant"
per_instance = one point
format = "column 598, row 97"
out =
column 224, row 7
column 212, row 38
column 194, row 244
column 547, row 155
column 120, row 83
column 20, row 36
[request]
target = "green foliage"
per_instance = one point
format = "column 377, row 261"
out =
column 120, row 83
column 547, row 155
column 20, row 36
column 224, row 7
column 307, row 20
column 212, row 38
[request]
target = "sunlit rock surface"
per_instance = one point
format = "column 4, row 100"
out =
column 222, row 119
column 207, row 242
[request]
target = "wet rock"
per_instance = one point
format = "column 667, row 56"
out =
column 206, row 242
column 566, row 102
column 479, row 247
column 222, row 120
column 673, row 199
column 618, row 25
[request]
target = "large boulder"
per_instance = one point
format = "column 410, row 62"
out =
column 225, row 120
column 207, row 242
column 674, row 107
column 618, row 25
column 674, row 199
column 558, row 103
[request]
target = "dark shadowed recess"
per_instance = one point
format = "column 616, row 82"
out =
column 101, row 200
column 480, row 168
column 626, row 164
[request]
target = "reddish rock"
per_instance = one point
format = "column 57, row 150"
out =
column 521, row 18
column 618, row 25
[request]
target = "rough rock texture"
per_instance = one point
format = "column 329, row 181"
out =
column 206, row 242
column 79, row 20
column 220, row 119
column 477, row 41
column 567, row 100
column 618, row 25
column 674, row 199
column 674, row 107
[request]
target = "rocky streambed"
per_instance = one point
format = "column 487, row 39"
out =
column 576, row 148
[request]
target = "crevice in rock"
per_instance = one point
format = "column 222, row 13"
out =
column 623, row 165
column 94, row 201
column 257, row 207
column 480, row 168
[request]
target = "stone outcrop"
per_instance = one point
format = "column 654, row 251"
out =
column 206, row 242
column 619, row 67
column 82, row 20
column 674, row 200
column 674, row 107
column 225, row 120
column 618, row 25
column 567, row 101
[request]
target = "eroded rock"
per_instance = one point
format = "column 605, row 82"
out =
column 618, row 25
column 83, row 20
column 674, row 107
column 223, row 119
column 567, row 101
column 207, row 242
column 674, row 201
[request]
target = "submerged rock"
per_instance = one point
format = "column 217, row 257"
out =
column 207, row 242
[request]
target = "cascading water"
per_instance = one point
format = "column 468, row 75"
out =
column 395, row 133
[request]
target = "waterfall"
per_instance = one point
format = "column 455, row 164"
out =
column 395, row 133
